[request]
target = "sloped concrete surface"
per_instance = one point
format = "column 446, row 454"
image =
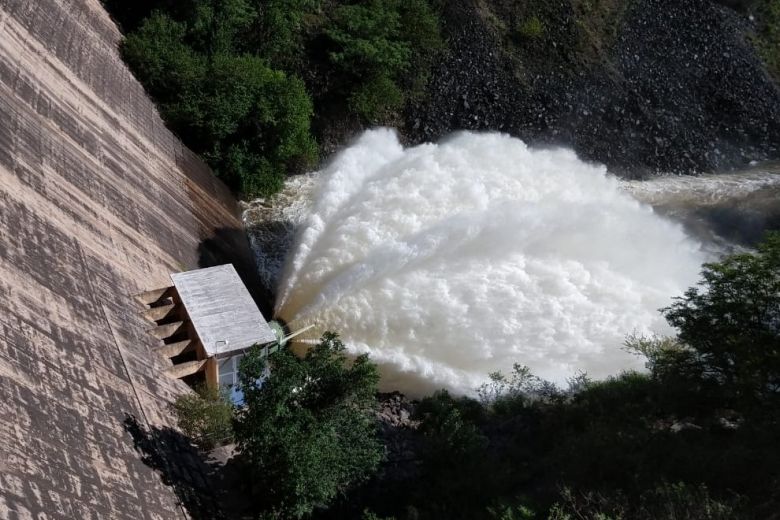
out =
column 98, row 201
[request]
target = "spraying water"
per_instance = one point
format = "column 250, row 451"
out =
column 449, row 261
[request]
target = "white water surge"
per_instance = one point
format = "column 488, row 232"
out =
column 449, row 261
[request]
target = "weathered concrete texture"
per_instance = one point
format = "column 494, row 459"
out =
column 98, row 201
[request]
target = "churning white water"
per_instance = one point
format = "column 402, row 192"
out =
column 449, row 261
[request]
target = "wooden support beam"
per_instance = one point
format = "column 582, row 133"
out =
column 186, row 369
column 212, row 372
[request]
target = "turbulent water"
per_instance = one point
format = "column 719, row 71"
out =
column 727, row 211
column 449, row 261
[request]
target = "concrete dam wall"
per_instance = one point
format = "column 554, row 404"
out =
column 98, row 202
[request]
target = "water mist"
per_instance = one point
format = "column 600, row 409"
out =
column 449, row 261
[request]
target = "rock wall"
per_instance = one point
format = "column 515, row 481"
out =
column 98, row 201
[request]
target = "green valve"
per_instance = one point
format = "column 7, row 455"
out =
column 279, row 332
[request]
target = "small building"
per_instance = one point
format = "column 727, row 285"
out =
column 206, row 321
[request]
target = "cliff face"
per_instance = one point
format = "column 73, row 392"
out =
column 98, row 201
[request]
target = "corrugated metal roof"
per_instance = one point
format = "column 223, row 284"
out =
column 225, row 316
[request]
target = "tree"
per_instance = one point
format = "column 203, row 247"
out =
column 367, row 36
column 255, row 124
column 376, row 42
column 167, row 66
column 732, row 325
column 251, row 123
column 279, row 35
column 308, row 432
column 206, row 416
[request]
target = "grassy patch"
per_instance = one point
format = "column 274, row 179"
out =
column 767, row 37
column 531, row 28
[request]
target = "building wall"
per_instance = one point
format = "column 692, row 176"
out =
column 98, row 201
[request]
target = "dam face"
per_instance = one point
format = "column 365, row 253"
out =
column 98, row 202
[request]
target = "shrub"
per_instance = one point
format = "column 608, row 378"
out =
column 510, row 512
column 531, row 28
column 420, row 27
column 256, row 121
column 732, row 324
column 279, row 38
column 375, row 43
column 205, row 416
column 377, row 99
column 767, row 38
column 214, row 67
column 366, row 36
column 665, row 502
column 694, row 437
column 158, row 55
column 309, row 432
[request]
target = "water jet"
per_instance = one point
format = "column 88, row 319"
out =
column 448, row 261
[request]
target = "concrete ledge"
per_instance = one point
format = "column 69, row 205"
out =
column 153, row 296
column 156, row 314
column 167, row 330
column 174, row 349
column 186, row 369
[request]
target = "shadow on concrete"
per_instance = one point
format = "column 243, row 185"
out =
column 209, row 486
column 231, row 246
column 181, row 466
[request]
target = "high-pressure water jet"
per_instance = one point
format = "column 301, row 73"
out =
column 449, row 261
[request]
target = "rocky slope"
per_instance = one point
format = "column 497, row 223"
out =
column 646, row 86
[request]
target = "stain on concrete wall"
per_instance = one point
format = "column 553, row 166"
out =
column 98, row 201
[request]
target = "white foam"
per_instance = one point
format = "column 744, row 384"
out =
column 449, row 261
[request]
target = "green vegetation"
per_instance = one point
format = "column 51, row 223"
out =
column 370, row 52
column 250, row 122
column 730, row 331
column 376, row 42
column 767, row 38
column 531, row 28
column 305, row 432
column 694, row 437
column 226, row 74
column 668, row 501
column 281, row 34
column 541, row 36
column 205, row 416
column 597, row 23
column 308, row 432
